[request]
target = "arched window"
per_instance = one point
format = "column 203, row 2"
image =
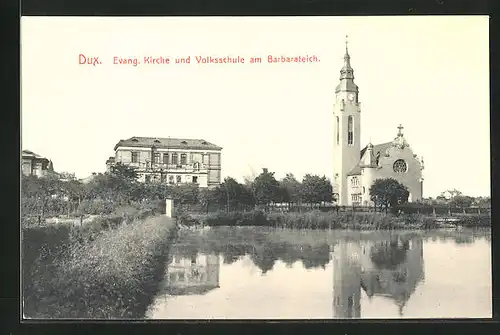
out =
column 349, row 130
column 338, row 130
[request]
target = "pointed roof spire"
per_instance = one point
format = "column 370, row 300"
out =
column 346, row 41
column 347, row 73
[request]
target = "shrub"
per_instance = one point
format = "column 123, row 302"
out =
column 96, row 207
column 114, row 276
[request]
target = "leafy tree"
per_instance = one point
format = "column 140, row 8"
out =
column 185, row 193
column 462, row 201
column 316, row 189
column 233, row 194
column 290, row 189
column 124, row 172
column 265, row 188
column 388, row 192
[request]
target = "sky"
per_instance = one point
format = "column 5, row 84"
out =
column 428, row 73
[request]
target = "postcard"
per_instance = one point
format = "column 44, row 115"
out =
column 255, row 168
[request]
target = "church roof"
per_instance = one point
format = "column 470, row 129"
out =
column 376, row 148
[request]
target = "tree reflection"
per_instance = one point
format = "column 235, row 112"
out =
column 464, row 239
column 264, row 258
column 389, row 254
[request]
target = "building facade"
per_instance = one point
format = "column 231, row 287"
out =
column 356, row 169
column 170, row 160
column 35, row 165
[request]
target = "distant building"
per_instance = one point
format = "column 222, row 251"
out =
column 35, row 165
column 389, row 269
column 170, row 160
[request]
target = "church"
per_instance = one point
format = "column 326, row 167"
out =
column 355, row 169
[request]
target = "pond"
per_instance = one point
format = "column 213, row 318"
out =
column 261, row 273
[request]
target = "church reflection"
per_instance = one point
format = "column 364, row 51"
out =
column 197, row 274
column 390, row 269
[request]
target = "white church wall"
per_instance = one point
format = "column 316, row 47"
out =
column 410, row 178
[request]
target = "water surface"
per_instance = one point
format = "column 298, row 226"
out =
column 261, row 273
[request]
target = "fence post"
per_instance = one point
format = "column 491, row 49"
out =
column 169, row 208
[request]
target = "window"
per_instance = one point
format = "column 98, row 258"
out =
column 354, row 181
column 135, row 156
column 165, row 158
column 363, row 190
column 156, row 157
column 400, row 166
column 338, row 130
column 178, row 179
column 181, row 276
column 174, row 159
column 350, row 138
column 193, row 260
column 356, row 199
column 171, row 179
column 183, row 159
column 195, row 179
column 163, row 177
column 148, row 178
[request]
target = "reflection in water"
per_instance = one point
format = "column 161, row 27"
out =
column 197, row 274
column 391, row 269
column 293, row 273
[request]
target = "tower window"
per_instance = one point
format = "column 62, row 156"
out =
column 338, row 130
column 350, row 138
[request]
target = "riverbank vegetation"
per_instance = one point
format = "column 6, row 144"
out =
column 111, row 274
column 316, row 219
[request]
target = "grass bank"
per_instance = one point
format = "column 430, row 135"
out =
column 112, row 274
column 326, row 220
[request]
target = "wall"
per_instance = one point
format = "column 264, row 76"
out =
column 411, row 178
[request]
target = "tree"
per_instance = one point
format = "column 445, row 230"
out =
column 461, row 201
column 265, row 188
column 290, row 189
column 185, row 193
column 388, row 192
column 233, row 194
column 316, row 189
column 124, row 172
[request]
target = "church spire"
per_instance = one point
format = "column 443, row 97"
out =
column 347, row 57
column 347, row 73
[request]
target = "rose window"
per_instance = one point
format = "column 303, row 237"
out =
column 400, row 166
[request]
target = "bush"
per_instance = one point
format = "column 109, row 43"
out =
column 114, row 276
column 96, row 207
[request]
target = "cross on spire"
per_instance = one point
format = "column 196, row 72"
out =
column 400, row 127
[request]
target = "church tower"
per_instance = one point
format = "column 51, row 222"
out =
column 347, row 132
